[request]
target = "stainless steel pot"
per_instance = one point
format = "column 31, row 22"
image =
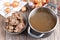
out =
column 54, row 13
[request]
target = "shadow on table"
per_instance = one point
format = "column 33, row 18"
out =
column 25, row 33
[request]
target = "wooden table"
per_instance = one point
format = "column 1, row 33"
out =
column 24, row 36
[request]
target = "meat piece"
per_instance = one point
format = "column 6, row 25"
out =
column 14, row 22
column 16, row 14
column 10, row 27
column 17, row 29
column 19, row 15
column 9, row 30
column 21, row 26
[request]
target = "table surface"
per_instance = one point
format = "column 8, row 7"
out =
column 24, row 36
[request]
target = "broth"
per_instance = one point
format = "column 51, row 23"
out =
column 43, row 21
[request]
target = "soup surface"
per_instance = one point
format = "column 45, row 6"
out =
column 43, row 21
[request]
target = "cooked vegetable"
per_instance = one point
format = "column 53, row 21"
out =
column 15, row 4
column 7, row 4
column 37, row 3
column 7, row 10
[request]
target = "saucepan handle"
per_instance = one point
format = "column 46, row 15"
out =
column 34, row 35
column 53, row 7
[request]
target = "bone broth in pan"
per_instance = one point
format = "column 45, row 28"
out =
column 43, row 20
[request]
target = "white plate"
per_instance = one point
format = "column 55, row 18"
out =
column 2, row 7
